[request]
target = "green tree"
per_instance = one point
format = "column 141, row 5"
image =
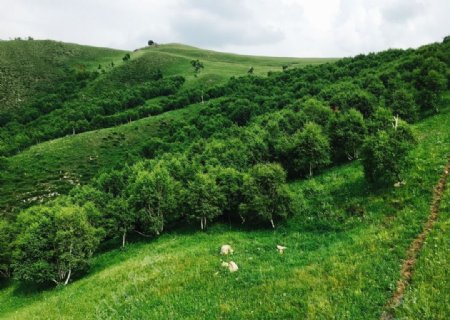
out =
column 53, row 243
column 204, row 199
column 347, row 133
column 403, row 105
column 198, row 66
column 7, row 233
column 122, row 216
column 266, row 197
column 385, row 155
column 153, row 194
column 310, row 149
column 230, row 182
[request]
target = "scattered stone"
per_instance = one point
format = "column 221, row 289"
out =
column 232, row 266
column 280, row 249
column 226, row 249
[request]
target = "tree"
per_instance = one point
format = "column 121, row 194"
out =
column 266, row 196
column 153, row 196
column 198, row 66
column 204, row 199
column 381, row 119
column 229, row 181
column 7, row 233
column 150, row 42
column 53, row 242
column 123, row 217
column 309, row 149
column 317, row 112
column 126, row 57
column 347, row 133
column 403, row 105
column 250, row 71
column 385, row 154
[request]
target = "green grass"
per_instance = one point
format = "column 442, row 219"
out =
column 24, row 64
column 429, row 292
column 347, row 272
column 221, row 66
column 55, row 166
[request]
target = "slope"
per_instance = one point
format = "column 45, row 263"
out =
column 54, row 167
column 347, row 270
column 25, row 66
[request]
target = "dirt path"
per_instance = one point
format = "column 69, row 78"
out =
column 416, row 245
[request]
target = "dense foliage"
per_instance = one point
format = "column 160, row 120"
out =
column 232, row 160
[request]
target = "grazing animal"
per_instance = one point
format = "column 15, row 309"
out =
column 226, row 249
column 280, row 249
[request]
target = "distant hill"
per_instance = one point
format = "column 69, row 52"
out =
column 28, row 65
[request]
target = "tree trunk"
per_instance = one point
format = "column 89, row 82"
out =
column 273, row 224
column 201, row 223
column 68, row 277
column 124, row 235
column 310, row 170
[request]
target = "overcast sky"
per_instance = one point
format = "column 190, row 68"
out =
column 302, row 28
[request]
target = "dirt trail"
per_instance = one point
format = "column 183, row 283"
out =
column 416, row 245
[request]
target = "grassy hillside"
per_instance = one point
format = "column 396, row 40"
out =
column 26, row 65
column 346, row 271
column 53, row 167
column 56, row 166
column 221, row 66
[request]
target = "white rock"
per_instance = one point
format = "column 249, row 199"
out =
column 226, row 249
column 232, row 266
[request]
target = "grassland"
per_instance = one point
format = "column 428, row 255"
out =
column 26, row 64
column 346, row 270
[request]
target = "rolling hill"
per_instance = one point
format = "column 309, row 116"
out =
column 50, row 168
column 150, row 148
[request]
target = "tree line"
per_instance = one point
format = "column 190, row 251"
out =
column 234, row 159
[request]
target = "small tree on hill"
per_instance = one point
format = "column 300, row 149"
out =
column 150, row 42
column 385, row 154
column 266, row 196
column 126, row 57
column 310, row 149
column 153, row 196
column 198, row 66
column 204, row 199
column 403, row 105
column 347, row 133
column 53, row 243
column 7, row 232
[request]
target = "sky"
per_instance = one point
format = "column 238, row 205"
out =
column 299, row 28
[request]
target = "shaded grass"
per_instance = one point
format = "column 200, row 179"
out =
column 58, row 165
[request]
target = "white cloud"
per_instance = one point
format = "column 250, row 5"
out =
column 264, row 27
